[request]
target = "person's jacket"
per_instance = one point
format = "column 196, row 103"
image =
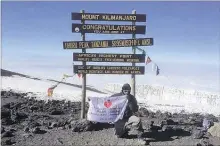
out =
column 132, row 105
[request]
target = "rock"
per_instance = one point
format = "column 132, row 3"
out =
column 211, row 118
column 33, row 108
column 34, row 124
column 204, row 142
column 54, row 124
column 171, row 122
column 159, row 114
column 174, row 137
column 67, row 126
column 27, row 135
column 7, row 106
column 12, row 129
column 7, row 121
column 207, row 124
column 37, row 130
column 7, row 134
column 198, row 134
column 168, row 114
column 26, row 129
column 143, row 112
column 3, row 93
column 166, row 128
column 62, row 123
column 56, row 112
column 2, row 129
column 60, row 140
column 22, row 116
column 215, row 130
column 5, row 113
column 14, row 116
column 8, row 142
column 82, row 126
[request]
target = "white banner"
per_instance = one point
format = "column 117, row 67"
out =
column 106, row 109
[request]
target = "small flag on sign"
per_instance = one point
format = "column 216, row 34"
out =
column 50, row 92
column 158, row 71
column 148, row 60
column 79, row 75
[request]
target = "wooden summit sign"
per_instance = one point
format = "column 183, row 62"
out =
column 108, row 29
column 94, row 69
column 101, row 57
column 108, row 43
column 109, row 17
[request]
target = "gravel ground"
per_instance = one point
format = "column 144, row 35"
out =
column 26, row 121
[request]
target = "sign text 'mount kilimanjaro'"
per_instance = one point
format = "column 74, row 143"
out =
column 108, row 29
column 94, row 69
column 109, row 17
column 101, row 57
column 108, row 43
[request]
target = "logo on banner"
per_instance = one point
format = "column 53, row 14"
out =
column 108, row 103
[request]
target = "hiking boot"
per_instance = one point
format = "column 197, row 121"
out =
column 125, row 135
column 141, row 141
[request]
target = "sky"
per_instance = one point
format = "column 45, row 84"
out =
column 186, row 39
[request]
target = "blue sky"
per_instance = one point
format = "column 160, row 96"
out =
column 185, row 34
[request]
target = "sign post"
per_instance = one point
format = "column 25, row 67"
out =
column 133, row 63
column 83, row 76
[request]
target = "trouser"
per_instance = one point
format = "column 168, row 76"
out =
column 123, row 126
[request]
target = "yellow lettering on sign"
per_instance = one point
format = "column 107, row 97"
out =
column 146, row 42
column 135, row 72
column 130, row 68
column 132, row 60
column 97, row 59
column 119, row 17
column 83, row 45
column 118, row 72
column 97, row 44
column 70, row 45
column 90, row 17
column 108, row 59
column 108, row 27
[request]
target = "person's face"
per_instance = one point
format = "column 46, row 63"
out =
column 126, row 92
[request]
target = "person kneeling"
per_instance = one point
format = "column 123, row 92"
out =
column 129, row 121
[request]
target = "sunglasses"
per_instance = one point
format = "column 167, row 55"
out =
column 126, row 90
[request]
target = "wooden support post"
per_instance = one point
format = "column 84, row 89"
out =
column 133, row 64
column 83, row 77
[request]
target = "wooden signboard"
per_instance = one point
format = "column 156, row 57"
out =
column 108, row 43
column 108, row 29
column 109, row 17
column 101, row 69
column 100, row 57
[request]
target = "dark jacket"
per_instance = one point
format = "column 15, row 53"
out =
column 131, row 108
column 132, row 105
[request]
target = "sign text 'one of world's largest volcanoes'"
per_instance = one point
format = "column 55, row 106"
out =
column 108, row 29
column 108, row 43
column 101, row 69
column 109, row 17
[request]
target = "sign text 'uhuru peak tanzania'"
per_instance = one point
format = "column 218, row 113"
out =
column 108, row 43
column 109, row 17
